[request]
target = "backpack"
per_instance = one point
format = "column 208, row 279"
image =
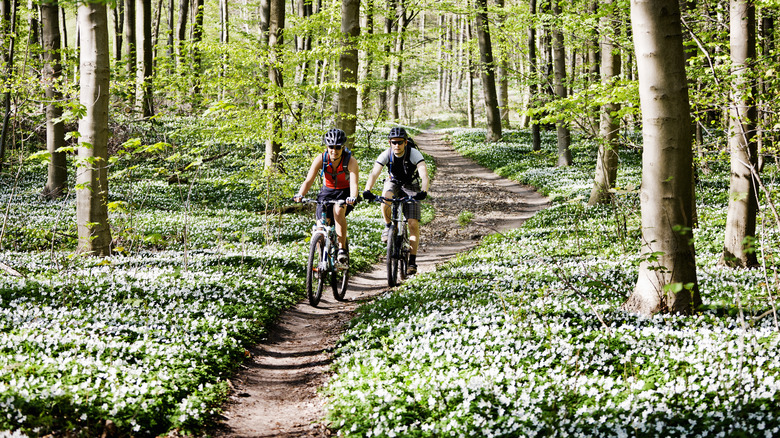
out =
column 345, row 157
column 410, row 144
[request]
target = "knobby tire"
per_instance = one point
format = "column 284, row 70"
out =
column 392, row 261
column 313, row 273
column 339, row 281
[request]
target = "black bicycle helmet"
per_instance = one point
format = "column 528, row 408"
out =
column 397, row 132
column 334, row 137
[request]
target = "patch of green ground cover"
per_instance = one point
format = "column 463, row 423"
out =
column 146, row 338
column 523, row 336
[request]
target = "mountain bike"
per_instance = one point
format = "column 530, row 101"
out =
column 398, row 247
column 322, row 267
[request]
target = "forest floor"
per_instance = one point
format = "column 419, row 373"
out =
column 276, row 392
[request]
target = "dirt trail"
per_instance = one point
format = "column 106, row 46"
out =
column 275, row 394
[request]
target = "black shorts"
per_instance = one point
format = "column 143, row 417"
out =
column 328, row 194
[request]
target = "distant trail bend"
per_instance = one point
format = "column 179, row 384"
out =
column 275, row 394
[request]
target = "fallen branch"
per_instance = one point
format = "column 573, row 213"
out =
column 10, row 271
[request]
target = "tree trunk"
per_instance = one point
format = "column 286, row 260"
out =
column 34, row 38
column 389, row 22
column 488, row 73
column 171, row 29
column 181, row 34
column 766, row 137
column 559, row 67
column 144, row 66
column 448, row 73
column 119, row 18
column 8, row 38
column 739, row 247
column 365, row 98
column 607, row 161
column 403, row 21
column 440, row 69
column 594, row 59
column 501, row 71
column 57, row 180
column 92, row 174
column 667, row 271
column 130, row 41
column 273, row 144
column 224, row 40
column 533, row 88
column 197, row 37
column 265, row 18
column 348, row 68
column 470, row 75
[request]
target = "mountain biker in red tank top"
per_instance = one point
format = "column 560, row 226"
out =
column 408, row 176
column 340, row 174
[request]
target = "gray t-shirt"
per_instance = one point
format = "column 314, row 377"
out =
column 403, row 169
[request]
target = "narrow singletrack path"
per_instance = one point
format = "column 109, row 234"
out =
column 275, row 394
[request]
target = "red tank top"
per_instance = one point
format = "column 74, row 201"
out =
column 336, row 177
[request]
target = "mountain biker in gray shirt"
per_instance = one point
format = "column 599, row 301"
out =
column 408, row 176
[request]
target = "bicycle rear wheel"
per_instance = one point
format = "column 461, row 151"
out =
column 316, row 269
column 392, row 260
column 339, row 280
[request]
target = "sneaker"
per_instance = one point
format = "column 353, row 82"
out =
column 385, row 233
column 342, row 257
column 411, row 269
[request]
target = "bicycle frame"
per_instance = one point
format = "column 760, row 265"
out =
column 322, row 258
column 398, row 246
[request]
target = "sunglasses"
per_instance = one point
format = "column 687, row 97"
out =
column 336, row 147
column 397, row 141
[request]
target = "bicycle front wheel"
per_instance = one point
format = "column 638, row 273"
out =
column 403, row 253
column 392, row 258
column 317, row 269
column 339, row 280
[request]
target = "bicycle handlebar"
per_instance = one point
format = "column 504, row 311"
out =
column 325, row 202
column 405, row 199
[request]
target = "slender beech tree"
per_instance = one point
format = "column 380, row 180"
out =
column 533, row 88
column 667, row 272
column 8, row 39
column 440, row 70
column 741, row 216
column 389, row 23
column 197, row 37
column 224, row 38
column 181, row 33
column 130, row 41
column 594, row 59
column 348, row 68
column 57, row 179
column 470, row 74
column 169, row 48
column 487, row 69
column 145, row 57
column 368, row 63
column 767, row 117
column 607, row 159
column 559, row 82
column 403, row 18
column 92, row 171
column 119, row 19
column 501, row 70
column 273, row 144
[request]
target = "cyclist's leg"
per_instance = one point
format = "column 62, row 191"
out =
column 340, row 216
column 412, row 212
column 414, row 235
column 388, row 191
